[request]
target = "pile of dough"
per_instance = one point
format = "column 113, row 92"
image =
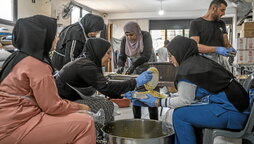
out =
column 142, row 95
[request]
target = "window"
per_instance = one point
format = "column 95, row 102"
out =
column 174, row 32
column 159, row 36
column 78, row 12
column 75, row 14
column 8, row 12
column 84, row 12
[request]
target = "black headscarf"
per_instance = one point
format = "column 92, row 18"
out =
column 95, row 49
column 33, row 36
column 206, row 73
column 90, row 23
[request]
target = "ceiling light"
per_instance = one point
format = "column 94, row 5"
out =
column 161, row 11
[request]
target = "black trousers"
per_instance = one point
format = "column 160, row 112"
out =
column 153, row 112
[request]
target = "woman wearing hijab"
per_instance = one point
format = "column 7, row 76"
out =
column 30, row 107
column 137, row 45
column 73, row 38
column 222, row 100
column 86, row 71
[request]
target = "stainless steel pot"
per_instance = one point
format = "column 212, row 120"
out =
column 137, row 131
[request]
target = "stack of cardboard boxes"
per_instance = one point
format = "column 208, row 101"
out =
column 247, row 30
column 245, row 44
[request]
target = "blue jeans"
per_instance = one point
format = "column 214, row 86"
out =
column 188, row 117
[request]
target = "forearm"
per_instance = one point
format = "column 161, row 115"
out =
column 186, row 96
column 121, row 60
column 206, row 49
column 227, row 45
column 122, row 56
column 52, row 103
column 174, row 102
column 140, row 61
column 114, row 89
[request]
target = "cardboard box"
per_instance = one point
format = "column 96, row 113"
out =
column 250, row 57
column 248, row 26
column 241, row 43
column 247, row 34
column 250, row 44
column 245, row 57
column 239, row 56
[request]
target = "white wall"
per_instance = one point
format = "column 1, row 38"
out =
column 26, row 8
column 57, row 7
column 118, row 25
column 167, row 14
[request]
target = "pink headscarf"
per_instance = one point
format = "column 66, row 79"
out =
column 133, row 47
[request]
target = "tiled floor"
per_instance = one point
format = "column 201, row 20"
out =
column 124, row 113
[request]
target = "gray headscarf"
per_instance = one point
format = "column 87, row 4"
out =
column 132, row 47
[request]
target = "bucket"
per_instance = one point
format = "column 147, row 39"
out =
column 137, row 131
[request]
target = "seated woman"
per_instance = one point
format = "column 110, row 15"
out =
column 86, row 71
column 30, row 107
column 223, row 99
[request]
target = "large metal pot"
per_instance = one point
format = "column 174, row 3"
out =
column 137, row 131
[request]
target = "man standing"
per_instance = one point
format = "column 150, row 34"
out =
column 162, row 52
column 211, row 35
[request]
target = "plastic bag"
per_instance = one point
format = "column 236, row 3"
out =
column 98, row 117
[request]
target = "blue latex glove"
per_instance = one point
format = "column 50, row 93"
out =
column 128, row 95
column 232, row 50
column 150, row 101
column 137, row 102
column 143, row 78
column 222, row 51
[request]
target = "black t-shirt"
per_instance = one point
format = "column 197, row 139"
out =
column 210, row 32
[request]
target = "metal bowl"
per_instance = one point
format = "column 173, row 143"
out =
column 137, row 131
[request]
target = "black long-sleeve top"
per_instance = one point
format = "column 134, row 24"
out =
column 82, row 73
column 144, row 56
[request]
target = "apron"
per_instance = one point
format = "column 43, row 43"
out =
column 143, row 67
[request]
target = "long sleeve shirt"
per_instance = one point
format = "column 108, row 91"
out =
column 27, row 93
column 144, row 56
column 190, row 94
column 83, row 73
column 64, row 54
